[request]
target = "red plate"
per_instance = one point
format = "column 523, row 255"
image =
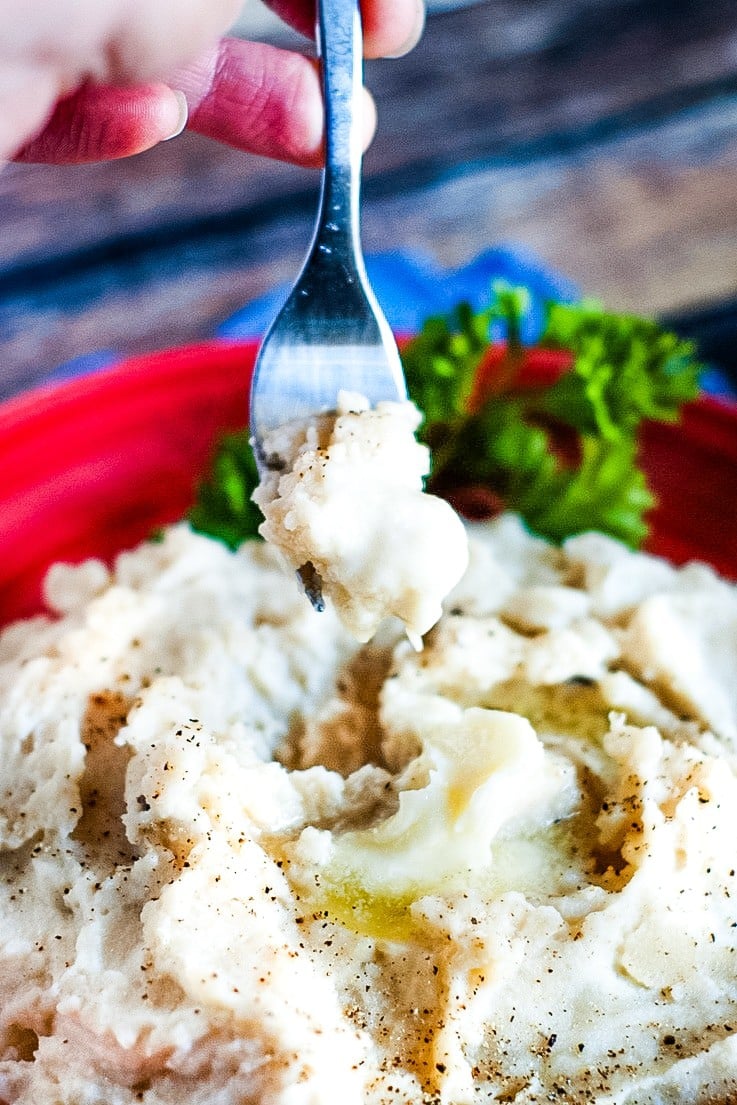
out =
column 92, row 466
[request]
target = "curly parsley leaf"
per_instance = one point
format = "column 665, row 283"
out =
column 606, row 491
column 564, row 457
column 441, row 362
column 223, row 507
column 625, row 369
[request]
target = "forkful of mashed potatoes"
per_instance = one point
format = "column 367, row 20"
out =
column 349, row 513
column 341, row 473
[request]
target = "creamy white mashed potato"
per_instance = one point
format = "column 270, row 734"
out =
column 245, row 860
column 346, row 506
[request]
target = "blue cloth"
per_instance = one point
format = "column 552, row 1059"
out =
column 83, row 365
column 716, row 382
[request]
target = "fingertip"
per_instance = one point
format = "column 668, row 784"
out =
column 303, row 126
column 392, row 29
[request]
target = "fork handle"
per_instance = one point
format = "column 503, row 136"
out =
column 340, row 46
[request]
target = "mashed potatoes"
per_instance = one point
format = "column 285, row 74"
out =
column 347, row 510
column 248, row 861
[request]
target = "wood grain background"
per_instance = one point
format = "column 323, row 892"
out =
column 601, row 134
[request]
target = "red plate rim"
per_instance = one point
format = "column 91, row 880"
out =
column 92, row 464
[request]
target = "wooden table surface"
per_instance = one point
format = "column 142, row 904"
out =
column 600, row 134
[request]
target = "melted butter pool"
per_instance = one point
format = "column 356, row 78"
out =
column 544, row 863
column 556, row 861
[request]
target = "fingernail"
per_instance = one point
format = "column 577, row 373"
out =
column 368, row 117
column 416, row 35
column 183, row 114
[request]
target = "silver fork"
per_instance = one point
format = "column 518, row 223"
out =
column 331, row 334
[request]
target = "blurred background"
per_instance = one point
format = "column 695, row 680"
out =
column 596, row 139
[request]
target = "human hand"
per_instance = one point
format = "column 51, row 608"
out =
column 87, row 80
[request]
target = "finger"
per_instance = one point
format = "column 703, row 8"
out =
column 390, row 27
column 27, row 95
column 99, row 123
column 261, row 99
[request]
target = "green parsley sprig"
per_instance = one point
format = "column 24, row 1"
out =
column 223, row 506
column 564, row 456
